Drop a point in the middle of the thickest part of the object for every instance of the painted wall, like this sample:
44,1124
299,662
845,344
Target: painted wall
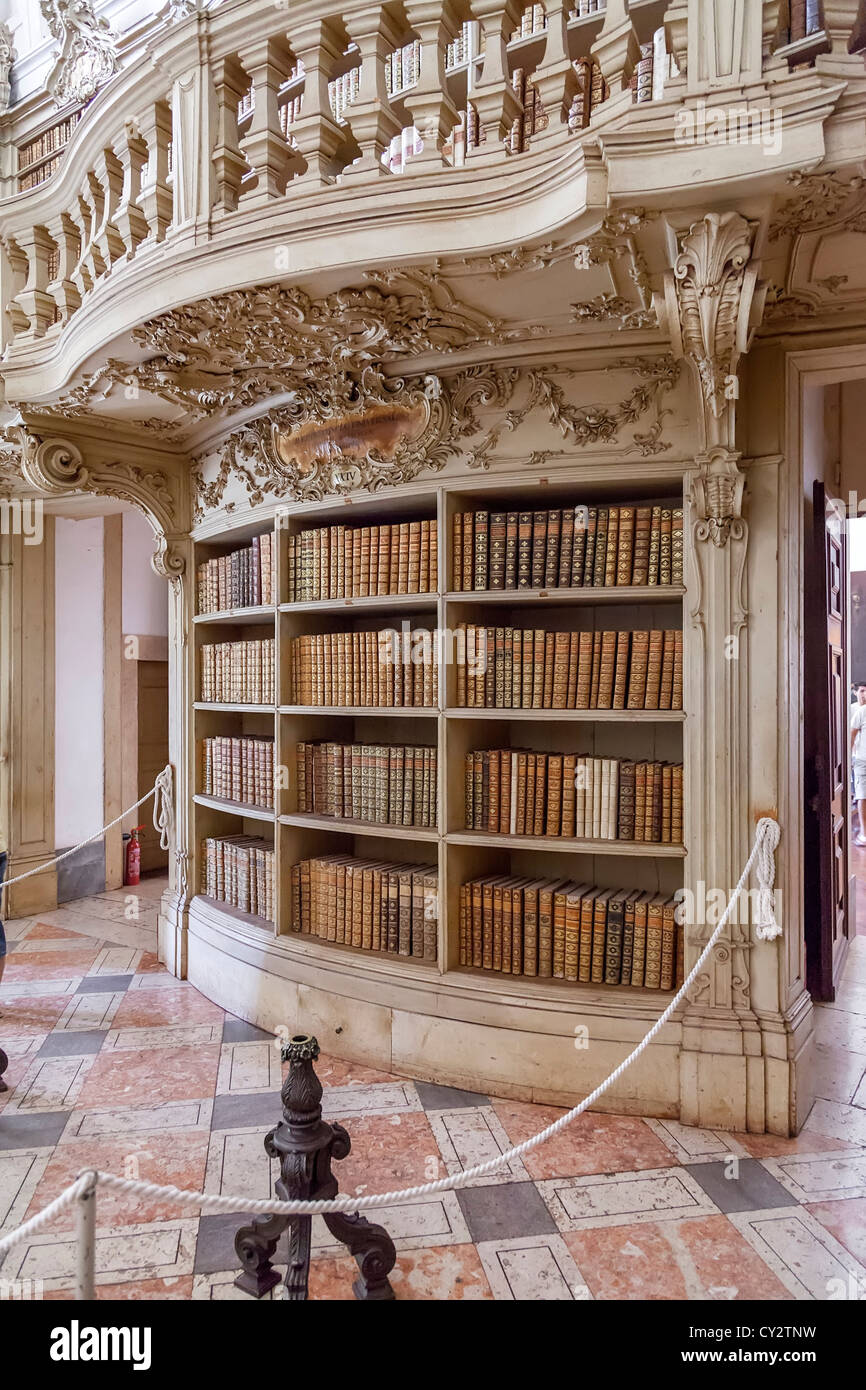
145,595
78,760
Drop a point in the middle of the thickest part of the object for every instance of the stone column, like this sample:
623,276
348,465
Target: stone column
175,561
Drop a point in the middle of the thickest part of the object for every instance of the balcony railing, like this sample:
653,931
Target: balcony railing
303,98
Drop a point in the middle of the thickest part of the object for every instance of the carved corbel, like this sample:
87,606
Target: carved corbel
717,497
57,467
711,303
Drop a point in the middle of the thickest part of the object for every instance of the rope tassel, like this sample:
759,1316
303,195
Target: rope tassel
767,838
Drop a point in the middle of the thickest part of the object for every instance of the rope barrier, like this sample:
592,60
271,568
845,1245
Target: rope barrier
163,822
767,836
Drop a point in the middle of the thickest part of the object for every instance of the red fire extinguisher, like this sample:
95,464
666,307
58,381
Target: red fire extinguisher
132,871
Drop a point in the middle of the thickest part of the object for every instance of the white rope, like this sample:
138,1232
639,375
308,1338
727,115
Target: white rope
82,1184
163,821
766,839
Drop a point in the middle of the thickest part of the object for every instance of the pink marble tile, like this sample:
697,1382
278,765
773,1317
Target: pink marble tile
774,1146
160,1008
23,1016
591,1144
438,1274
144,1079
73,962
149,964
703,1259
178,1159
46,931
846,1220
389,1152
180,1288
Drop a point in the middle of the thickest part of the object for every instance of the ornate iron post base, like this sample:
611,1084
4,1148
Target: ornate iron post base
4,1062
306,1145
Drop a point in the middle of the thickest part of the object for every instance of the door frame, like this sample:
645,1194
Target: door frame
827,365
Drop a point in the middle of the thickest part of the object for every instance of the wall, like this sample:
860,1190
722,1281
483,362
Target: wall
78,727
145,595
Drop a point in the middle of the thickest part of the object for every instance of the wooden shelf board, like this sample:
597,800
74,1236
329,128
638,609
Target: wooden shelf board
342,948
259,614
357,710
243,709
635,849
360,827
592,716
566,598
235,808
248,918
374,603
535,987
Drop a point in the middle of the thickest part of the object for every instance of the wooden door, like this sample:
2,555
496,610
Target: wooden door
826,740
152,750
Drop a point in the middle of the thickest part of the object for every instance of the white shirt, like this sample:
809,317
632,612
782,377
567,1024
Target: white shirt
858,722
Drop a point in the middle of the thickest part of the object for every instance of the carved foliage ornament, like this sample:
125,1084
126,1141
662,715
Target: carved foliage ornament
7,57
272,454
87,56
717,497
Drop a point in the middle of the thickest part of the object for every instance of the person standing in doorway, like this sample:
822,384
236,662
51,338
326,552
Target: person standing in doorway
858,759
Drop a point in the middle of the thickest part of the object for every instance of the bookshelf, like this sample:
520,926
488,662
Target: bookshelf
459,855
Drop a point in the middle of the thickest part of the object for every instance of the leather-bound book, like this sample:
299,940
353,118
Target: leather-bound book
626,812
511,528
507,667
597,790
599,934
604,810
628,935
677,691
468,552
679,954
638,966
501,889
600,565
640,792
546,895
549,670
497,550
620,679
489,653
537,668
596,670
551,559
638,672
677,804
517,927
571,940
587,917
566,548
482,521
667,803
524,551
528,668
553,824
487,923
568,795
476,936
505,757
541,793
492,819
611,553
464,925
655,541
516,667
521,793
665,547
573,667
666,683
590,547
507,925
654,669
669,945
383,570
578,547
652,968
539,548
530,926
606,669
584,670
677,545
613,938
625,547
531,774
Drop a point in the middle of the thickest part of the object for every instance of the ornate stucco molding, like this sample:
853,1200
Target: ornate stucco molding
88,53
57,466
717,487
265,453
710,305
820,200
7,58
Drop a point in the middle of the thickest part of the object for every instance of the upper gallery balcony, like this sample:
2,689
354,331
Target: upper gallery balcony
221,145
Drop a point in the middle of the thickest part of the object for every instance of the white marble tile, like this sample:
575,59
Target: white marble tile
847,1123
20,1172
836,1028
154,979
172,1114
468,1137
220,1288
179,1035
413,1223
36,989
820,1177
28,951
26,1046
18,928
838,1073
116,960
533,1269
385,1098
237,1165
692,1145
248,1067
808,1260
49,1083
88,1011
612,1200
160,1250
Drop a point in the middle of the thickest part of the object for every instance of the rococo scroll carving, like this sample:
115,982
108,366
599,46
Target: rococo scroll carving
87,56
710,303
57,466
717,497
272,454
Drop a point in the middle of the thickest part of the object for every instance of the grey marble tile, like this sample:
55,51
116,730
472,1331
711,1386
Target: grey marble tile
753,1188
434,1097
103,984
509,1209
235,1030
70,1043
34,1131
260,1110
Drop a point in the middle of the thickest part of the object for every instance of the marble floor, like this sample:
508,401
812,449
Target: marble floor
115,1064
